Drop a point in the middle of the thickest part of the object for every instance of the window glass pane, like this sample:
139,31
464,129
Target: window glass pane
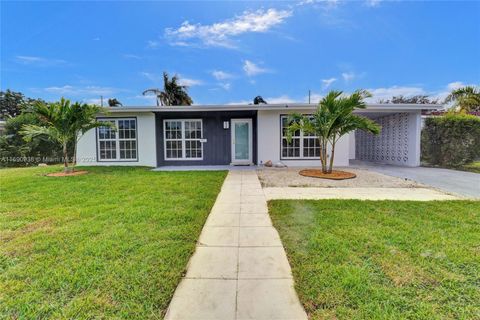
173,149
181,134
107,150
311,147
106,132
285,124
108,140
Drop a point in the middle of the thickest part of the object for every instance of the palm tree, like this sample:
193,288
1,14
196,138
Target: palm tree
333,119
63,122
57,118
84,119
259,100
466,99
114,103
173,94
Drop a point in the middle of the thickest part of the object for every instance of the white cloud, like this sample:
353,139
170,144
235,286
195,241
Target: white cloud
394,91
151,76
455,85
280,99
409,91
372,3
220,34
348,76
327,83
314,98
442,94
150,100
240,102
152,44
251,69
39,61
189,82
131,56
221,75
96,101
227,86
158,79
78,91
328,3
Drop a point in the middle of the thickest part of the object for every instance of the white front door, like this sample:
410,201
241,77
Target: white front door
241,141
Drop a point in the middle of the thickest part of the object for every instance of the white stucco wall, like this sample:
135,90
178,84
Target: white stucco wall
398,143
146,149
268,141
351,141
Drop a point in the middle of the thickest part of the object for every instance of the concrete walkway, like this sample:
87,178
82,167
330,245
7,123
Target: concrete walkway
239,269
312,193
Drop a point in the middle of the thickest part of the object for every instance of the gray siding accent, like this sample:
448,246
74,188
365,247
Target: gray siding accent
217,149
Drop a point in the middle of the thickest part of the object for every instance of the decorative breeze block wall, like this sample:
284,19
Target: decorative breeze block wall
398,143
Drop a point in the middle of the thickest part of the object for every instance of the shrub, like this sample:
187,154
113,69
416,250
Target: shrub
16,152
451,140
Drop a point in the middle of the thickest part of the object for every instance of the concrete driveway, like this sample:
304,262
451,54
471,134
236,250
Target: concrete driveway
466,184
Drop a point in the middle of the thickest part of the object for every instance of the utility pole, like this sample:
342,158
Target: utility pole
309,96
101,101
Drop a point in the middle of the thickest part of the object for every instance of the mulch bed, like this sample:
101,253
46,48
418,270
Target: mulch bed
67,174
335,175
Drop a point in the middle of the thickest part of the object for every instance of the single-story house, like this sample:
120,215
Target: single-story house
243,135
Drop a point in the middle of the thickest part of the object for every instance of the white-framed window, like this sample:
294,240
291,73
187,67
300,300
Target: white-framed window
183,139
119,144
302,145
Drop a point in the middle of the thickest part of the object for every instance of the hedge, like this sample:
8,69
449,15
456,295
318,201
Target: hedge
451,140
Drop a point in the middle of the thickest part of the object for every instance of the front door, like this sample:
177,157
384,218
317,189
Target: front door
241,141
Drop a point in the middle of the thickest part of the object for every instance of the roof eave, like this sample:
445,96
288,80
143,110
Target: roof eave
292,106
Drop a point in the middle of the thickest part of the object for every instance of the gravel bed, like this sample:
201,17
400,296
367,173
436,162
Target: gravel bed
289,177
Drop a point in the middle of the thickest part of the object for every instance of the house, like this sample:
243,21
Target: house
243,135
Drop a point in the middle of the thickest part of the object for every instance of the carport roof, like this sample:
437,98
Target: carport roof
261,107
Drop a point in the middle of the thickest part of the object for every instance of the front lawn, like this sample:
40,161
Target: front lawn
383,259
110,244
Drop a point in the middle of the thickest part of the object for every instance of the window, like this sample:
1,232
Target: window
119,144
302,145
183,139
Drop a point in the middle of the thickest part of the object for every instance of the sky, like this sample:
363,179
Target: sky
231,52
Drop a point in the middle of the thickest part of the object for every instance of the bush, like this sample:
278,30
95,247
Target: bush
451,140
16,152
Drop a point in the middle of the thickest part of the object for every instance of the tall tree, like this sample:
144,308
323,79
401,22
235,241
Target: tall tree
14,148
418,99
173,93
465,99
333,119
259,100
114,103
12,103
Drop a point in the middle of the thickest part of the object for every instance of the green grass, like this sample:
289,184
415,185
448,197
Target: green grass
110,244
472,167
383,260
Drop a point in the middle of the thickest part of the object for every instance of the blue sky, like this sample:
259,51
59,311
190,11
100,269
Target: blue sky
233,51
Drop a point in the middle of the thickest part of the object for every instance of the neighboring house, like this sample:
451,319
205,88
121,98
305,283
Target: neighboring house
243,135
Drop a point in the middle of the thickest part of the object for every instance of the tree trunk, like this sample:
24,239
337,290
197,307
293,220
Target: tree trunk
320,143
65,158
331,157
74,154
324,156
